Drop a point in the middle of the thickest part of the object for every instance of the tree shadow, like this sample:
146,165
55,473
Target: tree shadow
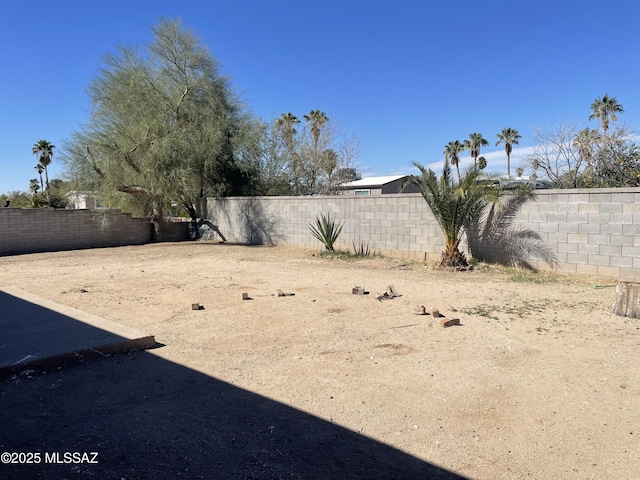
150,418
247,215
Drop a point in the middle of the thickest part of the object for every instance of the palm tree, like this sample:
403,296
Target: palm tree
39,168
519,172
453,204
316,119
605,109
44,151
492,237
451,154
34,186
510,137
584,142
482,163
475,142
286,124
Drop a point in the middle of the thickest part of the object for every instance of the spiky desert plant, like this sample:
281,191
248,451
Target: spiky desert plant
326,231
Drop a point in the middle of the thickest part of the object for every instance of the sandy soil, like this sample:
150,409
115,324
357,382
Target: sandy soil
540,380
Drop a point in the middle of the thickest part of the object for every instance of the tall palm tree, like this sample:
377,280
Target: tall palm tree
452,154
482,163
286,123
585,141
605,109
44,151
39,168
453,204
316,119
510,137
475,142
34,186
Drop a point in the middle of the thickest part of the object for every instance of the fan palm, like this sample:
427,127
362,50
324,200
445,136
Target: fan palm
286,123
44,151
452,154
39,168
316,119
510,137
473,144
584,142
605,109
453,205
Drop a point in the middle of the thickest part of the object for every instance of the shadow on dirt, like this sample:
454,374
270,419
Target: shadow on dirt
149,418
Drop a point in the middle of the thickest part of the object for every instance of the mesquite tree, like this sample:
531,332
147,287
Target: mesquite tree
163,128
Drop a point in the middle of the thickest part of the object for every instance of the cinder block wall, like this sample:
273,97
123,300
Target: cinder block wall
594,231
31,230
591,231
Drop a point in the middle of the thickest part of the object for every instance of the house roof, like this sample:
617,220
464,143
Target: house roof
372,181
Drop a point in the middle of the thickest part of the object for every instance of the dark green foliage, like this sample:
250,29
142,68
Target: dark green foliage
165,126
453,205
326,231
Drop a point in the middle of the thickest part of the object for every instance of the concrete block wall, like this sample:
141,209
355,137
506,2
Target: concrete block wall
395,225
31,230
594,231
591,231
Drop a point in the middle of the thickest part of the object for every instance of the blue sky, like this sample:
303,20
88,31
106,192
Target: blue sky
408,76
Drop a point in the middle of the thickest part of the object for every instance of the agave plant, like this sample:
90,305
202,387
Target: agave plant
326,231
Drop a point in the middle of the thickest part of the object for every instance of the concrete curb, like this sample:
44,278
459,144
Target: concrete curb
40,334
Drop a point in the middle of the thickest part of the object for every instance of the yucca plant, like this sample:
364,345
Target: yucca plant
326,231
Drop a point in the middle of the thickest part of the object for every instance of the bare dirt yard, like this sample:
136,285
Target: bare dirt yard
540,380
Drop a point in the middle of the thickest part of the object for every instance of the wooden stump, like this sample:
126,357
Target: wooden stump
627,299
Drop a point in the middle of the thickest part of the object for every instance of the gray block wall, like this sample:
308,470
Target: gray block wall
595,231
32,230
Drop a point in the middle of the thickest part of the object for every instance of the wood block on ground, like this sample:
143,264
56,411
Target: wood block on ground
627,302
245,296
357,290
435,313
195,306
279,293
449,322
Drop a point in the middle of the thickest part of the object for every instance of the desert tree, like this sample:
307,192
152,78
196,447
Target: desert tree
605,109
509,137
163,127
473,144
318,154
555,156
43,150
482,163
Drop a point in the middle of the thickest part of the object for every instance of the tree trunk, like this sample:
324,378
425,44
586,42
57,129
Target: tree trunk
627,302
158,220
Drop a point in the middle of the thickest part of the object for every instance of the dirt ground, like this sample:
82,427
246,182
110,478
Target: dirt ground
540,380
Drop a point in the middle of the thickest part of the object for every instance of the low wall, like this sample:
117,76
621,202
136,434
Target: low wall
30,230
594,231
